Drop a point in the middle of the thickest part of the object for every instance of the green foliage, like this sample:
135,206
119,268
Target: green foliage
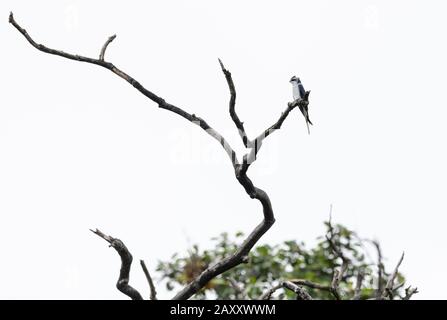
290,260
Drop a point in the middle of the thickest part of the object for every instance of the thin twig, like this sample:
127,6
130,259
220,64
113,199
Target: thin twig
240,256
153,292
310,284
380,269
301,293
240,294
409,292
388,292
239,124
257,143
400,285
330,240
104,47
126,262
358,285
338,276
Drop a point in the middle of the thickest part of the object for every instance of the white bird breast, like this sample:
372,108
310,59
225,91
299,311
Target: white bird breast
296,91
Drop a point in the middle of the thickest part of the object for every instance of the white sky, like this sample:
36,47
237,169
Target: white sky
80,148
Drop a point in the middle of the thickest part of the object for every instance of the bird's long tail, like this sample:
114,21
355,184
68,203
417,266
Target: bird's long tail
307,123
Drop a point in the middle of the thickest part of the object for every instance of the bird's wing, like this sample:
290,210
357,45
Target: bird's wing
302,91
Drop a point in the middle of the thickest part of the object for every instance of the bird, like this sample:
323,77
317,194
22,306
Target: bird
300,93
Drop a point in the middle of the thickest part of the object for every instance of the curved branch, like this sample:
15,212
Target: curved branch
104,47
300,292
126,262
388,291
152,96
239,124
409,292
241,254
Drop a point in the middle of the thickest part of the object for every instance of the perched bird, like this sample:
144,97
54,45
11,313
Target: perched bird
300,93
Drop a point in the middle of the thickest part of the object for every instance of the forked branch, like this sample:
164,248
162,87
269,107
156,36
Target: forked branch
257,143
152,96
153,292
240,170
104,47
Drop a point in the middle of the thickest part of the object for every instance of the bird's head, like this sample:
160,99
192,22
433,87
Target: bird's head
295,79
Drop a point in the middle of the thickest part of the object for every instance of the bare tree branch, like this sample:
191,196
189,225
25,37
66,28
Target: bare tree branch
152,96
400,285
409,292
338,275
126,262
104,47
301,293
358,285
380,269
240,294
388,292
239,124
241,253
268,294
330,239
257,143
310,284
153,292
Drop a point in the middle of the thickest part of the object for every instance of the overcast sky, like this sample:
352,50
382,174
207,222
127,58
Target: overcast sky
80,148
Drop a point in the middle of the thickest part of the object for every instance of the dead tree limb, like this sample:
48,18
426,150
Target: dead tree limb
152,96
409,292
300,291
104,47
126,262
310,284
240,170
240,294
358,285
380,269
338,251
257,143
239,124
153,292
388,291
